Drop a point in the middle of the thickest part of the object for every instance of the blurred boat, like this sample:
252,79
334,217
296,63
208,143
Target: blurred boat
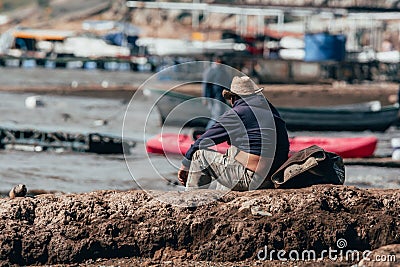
21,41
166,46
178,109
290,42
346,147
176,144
184,110
38,43
292,48
339,119
292,54
392,57
36,141
81,46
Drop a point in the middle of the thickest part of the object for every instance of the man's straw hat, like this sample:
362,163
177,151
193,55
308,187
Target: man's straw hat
242,86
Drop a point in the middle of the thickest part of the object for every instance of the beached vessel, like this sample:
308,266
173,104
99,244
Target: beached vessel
180,109
347,147
37,141
40,43
175,144
338,119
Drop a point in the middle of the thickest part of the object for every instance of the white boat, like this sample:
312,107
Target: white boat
388,57
89,47
166,46
19,40
289,42
292,54
4,19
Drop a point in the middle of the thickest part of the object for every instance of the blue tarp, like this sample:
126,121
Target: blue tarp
324,46
118,39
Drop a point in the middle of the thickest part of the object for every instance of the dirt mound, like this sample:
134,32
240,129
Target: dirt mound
53,229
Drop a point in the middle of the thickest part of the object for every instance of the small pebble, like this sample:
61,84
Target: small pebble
18,191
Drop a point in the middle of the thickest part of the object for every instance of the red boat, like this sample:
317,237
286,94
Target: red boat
171,143
347,147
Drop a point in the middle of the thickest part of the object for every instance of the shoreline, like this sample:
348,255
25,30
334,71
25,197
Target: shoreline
378,162
95,90
279,94
123,84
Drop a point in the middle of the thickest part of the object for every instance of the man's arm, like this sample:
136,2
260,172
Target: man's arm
220,132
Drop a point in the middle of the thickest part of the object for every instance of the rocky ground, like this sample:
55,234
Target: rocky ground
117,228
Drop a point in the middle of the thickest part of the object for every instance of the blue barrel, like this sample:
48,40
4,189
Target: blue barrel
324,46
50,64
90,65
111,65
29,63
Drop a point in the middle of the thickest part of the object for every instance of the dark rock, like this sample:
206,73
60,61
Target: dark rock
18,191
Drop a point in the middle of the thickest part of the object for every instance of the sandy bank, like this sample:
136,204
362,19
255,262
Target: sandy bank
51,229
110,84
280,95
319,94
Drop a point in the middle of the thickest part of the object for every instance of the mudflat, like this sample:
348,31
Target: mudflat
124,84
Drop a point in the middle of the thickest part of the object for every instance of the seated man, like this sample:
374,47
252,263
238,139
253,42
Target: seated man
258,139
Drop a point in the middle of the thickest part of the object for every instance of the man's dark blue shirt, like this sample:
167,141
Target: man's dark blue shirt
254,126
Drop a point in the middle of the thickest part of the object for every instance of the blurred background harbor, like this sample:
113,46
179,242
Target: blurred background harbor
273,41
84,60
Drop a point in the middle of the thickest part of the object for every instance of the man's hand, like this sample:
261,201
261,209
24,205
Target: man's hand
183,174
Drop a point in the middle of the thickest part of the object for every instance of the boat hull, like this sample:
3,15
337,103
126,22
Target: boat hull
36,140
352,147
346,147
323,119
357,117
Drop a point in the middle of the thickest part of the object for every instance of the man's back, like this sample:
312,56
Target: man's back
263,132
254,126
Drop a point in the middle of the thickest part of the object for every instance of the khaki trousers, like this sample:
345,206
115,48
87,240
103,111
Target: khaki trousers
210,169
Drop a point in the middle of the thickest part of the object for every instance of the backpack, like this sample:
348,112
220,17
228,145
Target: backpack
309,166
